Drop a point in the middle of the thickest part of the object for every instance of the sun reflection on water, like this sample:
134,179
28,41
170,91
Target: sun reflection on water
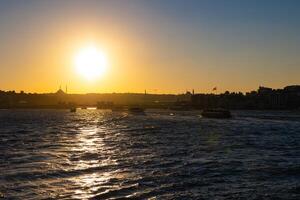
93,158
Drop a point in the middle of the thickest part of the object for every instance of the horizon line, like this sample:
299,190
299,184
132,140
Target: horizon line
213,91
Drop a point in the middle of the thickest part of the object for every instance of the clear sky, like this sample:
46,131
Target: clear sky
164,46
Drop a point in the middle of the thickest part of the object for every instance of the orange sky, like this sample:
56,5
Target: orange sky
146,47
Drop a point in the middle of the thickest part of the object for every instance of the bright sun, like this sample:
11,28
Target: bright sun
90,62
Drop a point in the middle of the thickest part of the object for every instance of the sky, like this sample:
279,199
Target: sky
163,46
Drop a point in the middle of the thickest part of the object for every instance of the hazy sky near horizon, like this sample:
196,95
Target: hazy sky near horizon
164,46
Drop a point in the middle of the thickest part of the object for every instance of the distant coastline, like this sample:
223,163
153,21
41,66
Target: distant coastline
264,98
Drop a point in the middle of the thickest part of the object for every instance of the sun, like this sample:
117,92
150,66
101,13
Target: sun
90,63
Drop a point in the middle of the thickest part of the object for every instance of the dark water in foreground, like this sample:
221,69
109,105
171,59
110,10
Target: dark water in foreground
48,154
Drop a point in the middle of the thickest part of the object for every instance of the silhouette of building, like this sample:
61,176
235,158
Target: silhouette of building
60,91
264,98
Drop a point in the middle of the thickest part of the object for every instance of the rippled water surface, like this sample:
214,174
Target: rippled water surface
94,154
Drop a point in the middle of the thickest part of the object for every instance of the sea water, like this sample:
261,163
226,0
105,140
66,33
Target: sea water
99,154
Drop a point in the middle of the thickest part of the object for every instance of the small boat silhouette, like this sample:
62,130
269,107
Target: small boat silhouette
72,109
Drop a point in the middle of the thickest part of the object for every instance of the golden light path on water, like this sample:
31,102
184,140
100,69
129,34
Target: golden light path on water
96,161
90,142
96,147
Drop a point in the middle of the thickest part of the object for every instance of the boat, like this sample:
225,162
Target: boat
216,113
137,110
72,109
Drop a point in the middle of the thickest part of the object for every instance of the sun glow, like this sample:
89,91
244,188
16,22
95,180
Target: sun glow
90,63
